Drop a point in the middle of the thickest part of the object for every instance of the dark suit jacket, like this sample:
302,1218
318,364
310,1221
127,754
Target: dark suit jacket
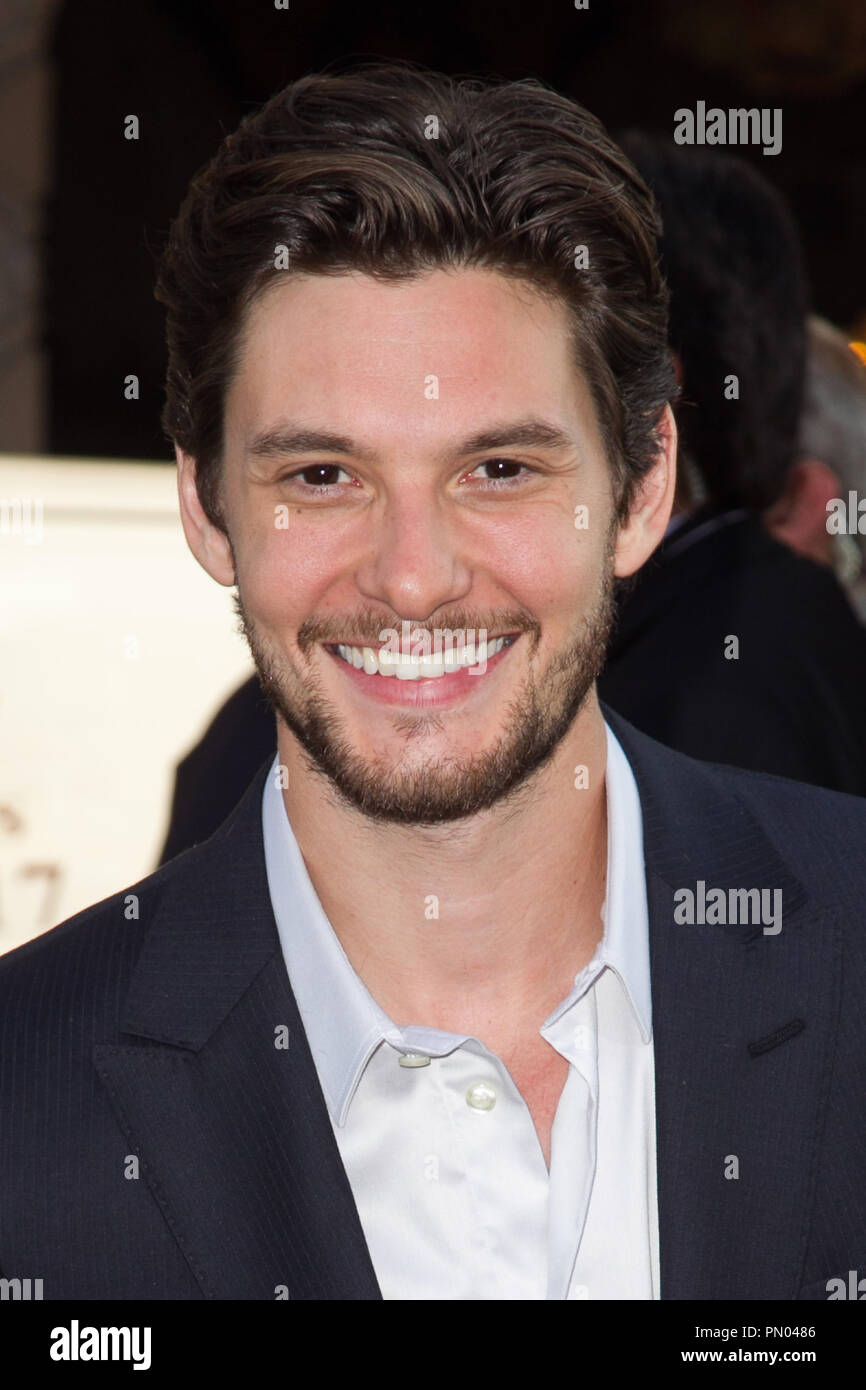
794,701
146,1044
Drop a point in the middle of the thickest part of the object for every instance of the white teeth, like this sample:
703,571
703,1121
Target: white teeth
433,666
413,667
386,662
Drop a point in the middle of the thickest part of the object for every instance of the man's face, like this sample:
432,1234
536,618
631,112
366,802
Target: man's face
463,447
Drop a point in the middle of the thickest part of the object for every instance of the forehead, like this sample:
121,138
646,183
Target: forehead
351,350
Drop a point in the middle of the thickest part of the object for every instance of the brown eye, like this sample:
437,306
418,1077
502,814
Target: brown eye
321,474
503,471
501,468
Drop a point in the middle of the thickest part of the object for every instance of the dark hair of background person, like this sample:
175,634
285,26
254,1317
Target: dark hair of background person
739,301
349,173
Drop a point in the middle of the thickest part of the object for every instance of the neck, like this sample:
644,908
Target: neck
478,926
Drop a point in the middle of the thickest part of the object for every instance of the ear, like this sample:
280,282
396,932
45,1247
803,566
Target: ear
799,517
650,510
208,543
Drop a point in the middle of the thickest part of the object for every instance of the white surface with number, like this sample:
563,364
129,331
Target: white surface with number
115,650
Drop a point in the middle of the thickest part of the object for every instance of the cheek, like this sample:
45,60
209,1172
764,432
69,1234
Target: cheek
552,566
287,565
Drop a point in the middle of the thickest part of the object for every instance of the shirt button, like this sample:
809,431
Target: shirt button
413,1059
580,1291
481,1096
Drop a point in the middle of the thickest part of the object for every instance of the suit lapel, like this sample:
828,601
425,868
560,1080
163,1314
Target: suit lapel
742,1039
229,1124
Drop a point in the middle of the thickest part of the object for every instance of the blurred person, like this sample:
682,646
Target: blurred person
213,776
479,993
830,463
729,646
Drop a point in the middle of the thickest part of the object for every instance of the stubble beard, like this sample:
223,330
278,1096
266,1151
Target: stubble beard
440,789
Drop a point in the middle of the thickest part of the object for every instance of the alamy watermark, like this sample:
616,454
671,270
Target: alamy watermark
20,1290
77,1343
734,907
854,1288
22,516
846,518
739,125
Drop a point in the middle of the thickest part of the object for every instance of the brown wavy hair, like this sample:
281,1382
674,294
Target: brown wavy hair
393,170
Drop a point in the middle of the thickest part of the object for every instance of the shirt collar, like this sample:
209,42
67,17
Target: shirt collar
344,1024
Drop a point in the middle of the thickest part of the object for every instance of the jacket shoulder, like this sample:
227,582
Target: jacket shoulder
101,942
111,932
703,807
820,833
782,803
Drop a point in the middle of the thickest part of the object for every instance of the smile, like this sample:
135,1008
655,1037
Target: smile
425,666
438,680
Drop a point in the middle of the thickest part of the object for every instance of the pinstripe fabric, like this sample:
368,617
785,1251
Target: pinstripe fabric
147,1045
156,1039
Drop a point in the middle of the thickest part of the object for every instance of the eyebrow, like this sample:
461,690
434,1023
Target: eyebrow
288,439
285,440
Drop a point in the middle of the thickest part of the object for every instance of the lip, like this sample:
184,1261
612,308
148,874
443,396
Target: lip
434,692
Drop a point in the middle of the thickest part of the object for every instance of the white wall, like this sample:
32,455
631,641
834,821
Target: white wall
115,650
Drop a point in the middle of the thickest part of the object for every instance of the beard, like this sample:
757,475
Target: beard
442,788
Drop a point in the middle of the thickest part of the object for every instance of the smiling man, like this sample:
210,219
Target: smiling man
358,502
425,1019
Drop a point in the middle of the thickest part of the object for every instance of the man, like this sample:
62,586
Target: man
731,647
479,993
813,514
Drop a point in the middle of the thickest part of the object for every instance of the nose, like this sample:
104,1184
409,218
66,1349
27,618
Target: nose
415,563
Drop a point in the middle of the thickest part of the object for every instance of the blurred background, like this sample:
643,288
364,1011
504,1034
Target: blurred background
115,649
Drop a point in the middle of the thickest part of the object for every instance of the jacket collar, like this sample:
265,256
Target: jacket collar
696,826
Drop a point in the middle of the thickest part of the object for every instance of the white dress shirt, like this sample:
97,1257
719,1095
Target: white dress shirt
452,1190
